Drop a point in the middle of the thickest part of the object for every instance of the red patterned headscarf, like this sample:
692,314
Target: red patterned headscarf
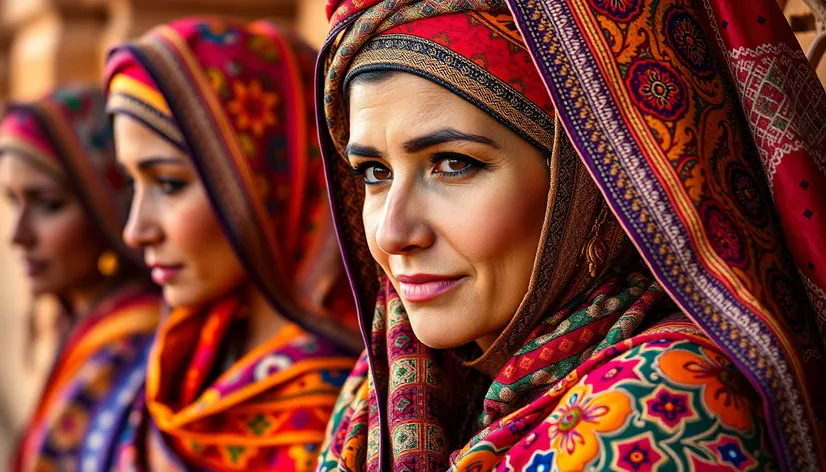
699,126
237,99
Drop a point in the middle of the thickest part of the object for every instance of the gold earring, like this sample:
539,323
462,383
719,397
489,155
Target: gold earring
595,250
108,263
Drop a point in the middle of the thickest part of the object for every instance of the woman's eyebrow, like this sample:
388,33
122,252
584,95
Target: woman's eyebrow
35,192
420,143
150,162
445,135
354,149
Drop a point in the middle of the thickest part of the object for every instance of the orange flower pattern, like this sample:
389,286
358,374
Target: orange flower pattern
253,107
578,419
724,389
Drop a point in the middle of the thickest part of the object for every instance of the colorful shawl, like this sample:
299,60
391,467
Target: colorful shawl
67,134
675,143
236,99
89,370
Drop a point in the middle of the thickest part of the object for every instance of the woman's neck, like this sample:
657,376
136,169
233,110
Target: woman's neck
263,321
83,300
485,342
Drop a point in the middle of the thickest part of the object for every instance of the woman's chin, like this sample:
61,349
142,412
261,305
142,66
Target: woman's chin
440,335
40,286
178,297
39,290
194,294
437,343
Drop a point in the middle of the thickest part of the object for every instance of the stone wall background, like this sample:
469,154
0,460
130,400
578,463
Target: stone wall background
46,43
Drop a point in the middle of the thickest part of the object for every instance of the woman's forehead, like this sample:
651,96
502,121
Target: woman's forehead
136,141
410,106
402,87
16,169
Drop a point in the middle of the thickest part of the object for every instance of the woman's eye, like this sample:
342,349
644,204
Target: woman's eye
171,186
373,173
12,199
50,206
452,166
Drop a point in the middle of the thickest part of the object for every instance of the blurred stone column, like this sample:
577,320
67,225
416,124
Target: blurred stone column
53,42
5,38
311,21
805,27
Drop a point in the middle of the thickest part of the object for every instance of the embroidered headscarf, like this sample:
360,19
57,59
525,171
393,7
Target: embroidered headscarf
68,135
236,99
687,154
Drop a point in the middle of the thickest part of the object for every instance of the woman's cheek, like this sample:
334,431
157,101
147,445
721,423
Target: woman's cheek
73,244
489,224
73,232
192,226
372,214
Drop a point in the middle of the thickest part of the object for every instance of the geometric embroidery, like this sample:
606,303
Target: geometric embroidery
818,298
259,425
764,76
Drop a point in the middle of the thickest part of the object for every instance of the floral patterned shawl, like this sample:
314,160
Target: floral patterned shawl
700,129
235,98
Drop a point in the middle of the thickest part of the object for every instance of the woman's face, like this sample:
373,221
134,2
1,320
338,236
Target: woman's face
454,206
172,220
59,241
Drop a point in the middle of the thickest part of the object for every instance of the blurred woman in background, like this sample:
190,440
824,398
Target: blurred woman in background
58,172
213,122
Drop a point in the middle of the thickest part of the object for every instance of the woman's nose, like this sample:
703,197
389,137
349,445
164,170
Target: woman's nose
404,226
22,234
141,230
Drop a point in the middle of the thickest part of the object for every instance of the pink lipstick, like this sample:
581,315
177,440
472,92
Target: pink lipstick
420,288
34,267
164,274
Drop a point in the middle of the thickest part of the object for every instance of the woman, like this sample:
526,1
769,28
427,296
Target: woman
57,169
214,125
510,190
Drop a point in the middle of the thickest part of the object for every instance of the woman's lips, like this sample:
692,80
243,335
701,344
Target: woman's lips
34,267
420,288
164,274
